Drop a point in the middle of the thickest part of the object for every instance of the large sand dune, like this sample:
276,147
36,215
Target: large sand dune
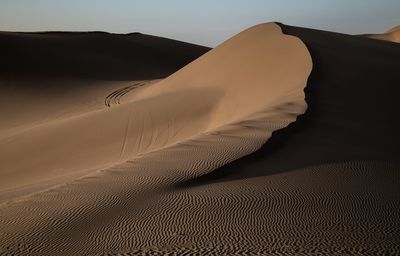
220,107
168,166
198,99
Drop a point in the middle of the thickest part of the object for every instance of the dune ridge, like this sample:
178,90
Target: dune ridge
222,106
392,35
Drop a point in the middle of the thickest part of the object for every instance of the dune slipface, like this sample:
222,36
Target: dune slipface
222,106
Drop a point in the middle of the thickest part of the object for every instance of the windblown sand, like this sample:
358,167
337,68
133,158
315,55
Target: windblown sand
118,178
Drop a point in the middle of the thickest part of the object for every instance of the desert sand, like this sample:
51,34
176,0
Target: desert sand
68,75
280,141
392,35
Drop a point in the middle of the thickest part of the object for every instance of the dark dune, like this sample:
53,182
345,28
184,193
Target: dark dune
93,55
352,96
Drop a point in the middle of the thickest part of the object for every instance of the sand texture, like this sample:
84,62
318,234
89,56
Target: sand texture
280,141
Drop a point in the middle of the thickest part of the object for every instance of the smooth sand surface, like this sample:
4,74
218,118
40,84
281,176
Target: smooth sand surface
27,102
239,152
392,35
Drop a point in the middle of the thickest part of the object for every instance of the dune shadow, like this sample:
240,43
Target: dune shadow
239,168
351,95
94,55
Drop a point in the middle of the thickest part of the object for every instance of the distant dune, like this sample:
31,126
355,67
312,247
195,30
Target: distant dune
280,141
392,35
93,55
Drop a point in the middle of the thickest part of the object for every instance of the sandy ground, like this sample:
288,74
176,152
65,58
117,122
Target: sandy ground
239,152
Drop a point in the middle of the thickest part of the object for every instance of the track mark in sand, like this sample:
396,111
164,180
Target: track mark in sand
114,98
125,141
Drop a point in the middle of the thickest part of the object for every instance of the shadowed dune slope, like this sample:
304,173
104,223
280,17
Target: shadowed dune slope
94,55
392,35
346,146
352,96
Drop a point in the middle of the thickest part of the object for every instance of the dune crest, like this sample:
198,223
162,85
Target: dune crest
251,70
392,35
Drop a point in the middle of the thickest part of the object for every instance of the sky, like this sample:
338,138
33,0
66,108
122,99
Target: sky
205,22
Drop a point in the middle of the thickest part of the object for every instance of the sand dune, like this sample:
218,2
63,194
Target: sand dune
154,118
93,55
392,35
239,152
47,78
211,112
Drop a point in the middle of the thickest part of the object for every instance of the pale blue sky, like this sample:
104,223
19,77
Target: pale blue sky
206,22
